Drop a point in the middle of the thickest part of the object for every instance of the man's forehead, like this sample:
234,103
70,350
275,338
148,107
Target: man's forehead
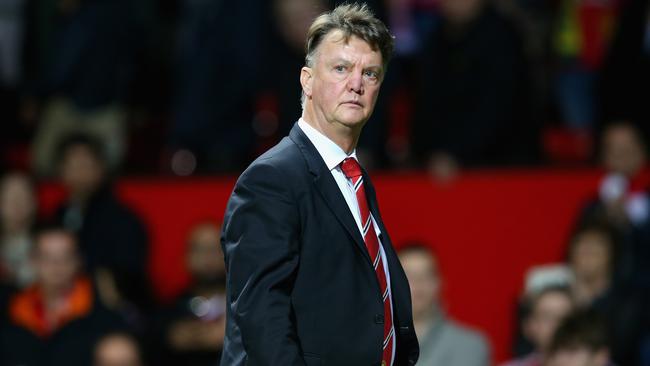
336,40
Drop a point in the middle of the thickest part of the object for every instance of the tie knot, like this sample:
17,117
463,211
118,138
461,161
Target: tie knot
351,168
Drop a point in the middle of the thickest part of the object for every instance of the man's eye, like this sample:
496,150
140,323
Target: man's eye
372,74
339,68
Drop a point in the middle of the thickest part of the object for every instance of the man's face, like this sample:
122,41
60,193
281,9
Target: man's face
460,11
205,258
622,151
17,202
578,357
590,256
344,82
56,261
422,274
547,313
81,172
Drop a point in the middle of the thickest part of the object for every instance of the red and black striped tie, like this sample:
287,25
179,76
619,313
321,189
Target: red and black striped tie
352,170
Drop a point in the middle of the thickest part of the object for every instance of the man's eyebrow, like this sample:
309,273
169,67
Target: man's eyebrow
341,60
374,67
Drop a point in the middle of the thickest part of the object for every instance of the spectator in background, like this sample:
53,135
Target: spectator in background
625,79
581,340
82,65
471,102
592,257
442,341
57,320
17,220
581,38
194,327
536,20
289,21
11,38
623,201
12,35
544,310
112,239
117,349
215,76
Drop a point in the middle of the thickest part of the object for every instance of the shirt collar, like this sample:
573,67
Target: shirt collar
331,153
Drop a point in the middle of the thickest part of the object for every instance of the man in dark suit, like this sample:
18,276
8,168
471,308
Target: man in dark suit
312,276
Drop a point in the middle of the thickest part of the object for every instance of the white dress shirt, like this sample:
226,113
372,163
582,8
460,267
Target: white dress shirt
333,156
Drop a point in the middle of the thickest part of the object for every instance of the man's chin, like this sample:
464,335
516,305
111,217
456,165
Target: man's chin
353,120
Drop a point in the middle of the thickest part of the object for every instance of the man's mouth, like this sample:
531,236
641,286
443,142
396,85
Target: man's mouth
353,103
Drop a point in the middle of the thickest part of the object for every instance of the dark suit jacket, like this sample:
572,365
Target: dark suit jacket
301,287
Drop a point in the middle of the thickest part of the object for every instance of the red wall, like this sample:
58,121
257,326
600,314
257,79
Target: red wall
487,228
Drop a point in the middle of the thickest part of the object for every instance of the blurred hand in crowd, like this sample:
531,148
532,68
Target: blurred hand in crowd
443,167
203,329
196,335
117,350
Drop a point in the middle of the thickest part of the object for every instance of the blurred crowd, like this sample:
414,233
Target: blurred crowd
94,89
75,289
203,86
591,309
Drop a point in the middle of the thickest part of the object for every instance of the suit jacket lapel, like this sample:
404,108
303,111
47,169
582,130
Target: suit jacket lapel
328,188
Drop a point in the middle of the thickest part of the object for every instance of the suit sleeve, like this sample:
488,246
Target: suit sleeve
260,240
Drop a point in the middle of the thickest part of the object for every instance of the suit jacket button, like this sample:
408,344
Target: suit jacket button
379,319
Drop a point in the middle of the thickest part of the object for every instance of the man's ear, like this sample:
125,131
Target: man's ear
306,79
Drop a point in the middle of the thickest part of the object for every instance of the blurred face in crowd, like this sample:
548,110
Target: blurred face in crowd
342,85
581,356
590,255
460,11
17,203
68,6
294,18
548,311
81,171
205,258
55,260
422,272
117,350
623,151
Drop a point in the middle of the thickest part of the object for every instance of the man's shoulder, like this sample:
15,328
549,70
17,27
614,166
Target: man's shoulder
283,161
532,359
285,152
461,334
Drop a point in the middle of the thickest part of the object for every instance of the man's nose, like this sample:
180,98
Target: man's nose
355,82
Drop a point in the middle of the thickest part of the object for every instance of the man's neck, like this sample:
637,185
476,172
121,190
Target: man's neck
345,137
55,295
588,289
424,322
54,303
